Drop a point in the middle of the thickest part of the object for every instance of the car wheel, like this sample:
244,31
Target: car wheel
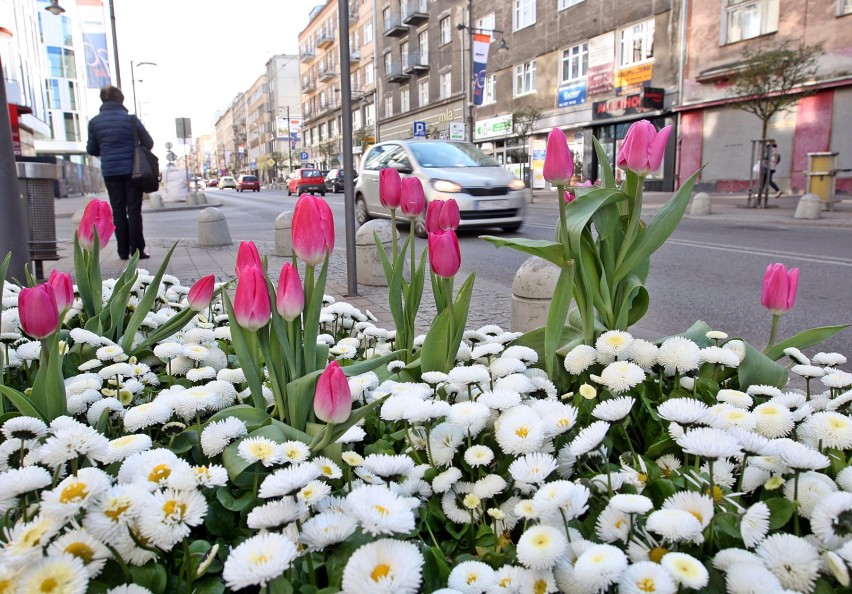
322,193
512,228
420,226
361,213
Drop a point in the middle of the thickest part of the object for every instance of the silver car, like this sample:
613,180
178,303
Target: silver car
487,194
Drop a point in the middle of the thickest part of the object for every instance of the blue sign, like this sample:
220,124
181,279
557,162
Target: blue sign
303,155
571,94
420,129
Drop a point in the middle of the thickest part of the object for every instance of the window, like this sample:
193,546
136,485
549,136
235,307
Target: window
356,119
388,63
487,23
446,30
72,95
636,43
404,100
379,156
72,126
368,74
563,4
386,18
524,14
388,106
489,91
844,7
368,32
370,115
575,62
445,85
423,92
525,78
745,19
403,53
321,129
423,42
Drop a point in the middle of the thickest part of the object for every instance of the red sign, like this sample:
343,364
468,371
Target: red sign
649,100
16,131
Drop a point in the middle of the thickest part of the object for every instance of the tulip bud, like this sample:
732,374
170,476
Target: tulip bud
412,199
433,213
312,229
63,289
444,253
38,312
97,218
643,148
290,300
779,288
558,160
201,293
442,214
247,255
333,398
389,187
251,301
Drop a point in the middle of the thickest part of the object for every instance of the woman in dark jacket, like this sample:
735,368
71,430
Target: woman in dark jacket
111,139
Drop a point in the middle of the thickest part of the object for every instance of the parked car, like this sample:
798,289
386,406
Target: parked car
248,182
305,180
487,194
226,181
334,180
212,182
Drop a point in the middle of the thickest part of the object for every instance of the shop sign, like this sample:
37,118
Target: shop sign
571,94
499,126
456,131
653,97
628,79
601,59
650,99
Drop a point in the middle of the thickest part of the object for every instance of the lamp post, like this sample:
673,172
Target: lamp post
133,76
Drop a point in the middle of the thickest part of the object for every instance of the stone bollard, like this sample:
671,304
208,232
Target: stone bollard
532,292
370,270
700,205
284,234
155,199
212,228
809,207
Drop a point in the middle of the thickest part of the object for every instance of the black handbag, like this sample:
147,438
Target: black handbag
146,165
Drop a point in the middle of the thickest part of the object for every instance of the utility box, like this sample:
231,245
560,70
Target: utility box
822,176
36,182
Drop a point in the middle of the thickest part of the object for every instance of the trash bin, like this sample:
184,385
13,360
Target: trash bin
822,174
36,183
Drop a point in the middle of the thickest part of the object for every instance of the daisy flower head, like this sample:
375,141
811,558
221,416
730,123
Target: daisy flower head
63,574
328,468
532,468
24,428
561,499
828,428
709,443
828,519
285,481
735,398
260,449
79,543
646,576
314,492
472,577
685,411
558,417
540,547
613,525
699,505
19,481
674,525
612,344
384,566
145,415
679,355
686,570
829,359
259,560
519,431
217,435
720,356
478,455
631,503
793,560
620,376
387,465
799,456
589,438
75,492
470,416
614,409
274,514
773,419
167,517
379,510
599,567
754,524
813,487
643,353
579,359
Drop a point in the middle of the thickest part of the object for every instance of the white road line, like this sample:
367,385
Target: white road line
760,252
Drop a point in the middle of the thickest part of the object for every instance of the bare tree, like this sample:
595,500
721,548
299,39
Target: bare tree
771,81
523,123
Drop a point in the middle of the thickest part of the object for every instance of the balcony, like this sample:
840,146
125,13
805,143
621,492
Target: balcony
309,85
415,12
325,38
394,26
327,73
307,55
355,55
330,106
354,11
415,64
395,73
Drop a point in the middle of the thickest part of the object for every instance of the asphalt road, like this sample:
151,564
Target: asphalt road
709,270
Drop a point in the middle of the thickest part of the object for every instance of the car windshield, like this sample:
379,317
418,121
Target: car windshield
311,173
450,154
249,178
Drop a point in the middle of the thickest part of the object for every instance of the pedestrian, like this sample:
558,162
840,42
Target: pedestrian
111,137
772,158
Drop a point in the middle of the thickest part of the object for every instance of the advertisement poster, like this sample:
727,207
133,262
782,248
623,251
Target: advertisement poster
630,80
499,126
94,43
538,152
601,62
571,94
481,41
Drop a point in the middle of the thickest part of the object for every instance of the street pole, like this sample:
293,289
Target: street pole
289,144
133,78
348,187
470,77
115,45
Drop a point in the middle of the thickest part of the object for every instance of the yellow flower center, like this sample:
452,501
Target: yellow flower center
647,585
82,551
73,492
564,423
540,587
697,515
522,432
472,578
657,553
261,450
541,540
380,571
383,511
48,585
837,423
123,441
259,559
505,582
172,507
159,473
116,510
717,495
326,470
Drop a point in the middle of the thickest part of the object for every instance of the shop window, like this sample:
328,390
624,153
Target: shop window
636,43
746,19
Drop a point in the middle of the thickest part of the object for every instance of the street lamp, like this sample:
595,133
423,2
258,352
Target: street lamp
133,76
54,8
289,140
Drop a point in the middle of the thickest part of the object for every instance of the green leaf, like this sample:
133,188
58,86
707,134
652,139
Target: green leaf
781,510
557,315
439,348
251,416
580,212
757,368
664,223
4,267
357,414
804,339
244,355
606,168
279,585
276,431
208,585
151,576
311,319
48,392
549,250
20,401
146,303
234,504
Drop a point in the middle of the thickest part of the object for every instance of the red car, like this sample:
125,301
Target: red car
212,182
248,182
304,180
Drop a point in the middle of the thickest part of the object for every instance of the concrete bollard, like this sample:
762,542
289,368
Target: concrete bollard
284,234
212,228
532,292
370,270
808,207
700,205
155,199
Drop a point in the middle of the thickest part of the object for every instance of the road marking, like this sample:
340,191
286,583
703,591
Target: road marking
760,252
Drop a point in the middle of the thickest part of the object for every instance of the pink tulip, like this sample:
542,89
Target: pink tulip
643,148
442,214
247,256
558,160
444,253
312,229
38,311
291,297
569,197
97,217
389,187
201,293
251,301
63,289
412,200
779,288
333,398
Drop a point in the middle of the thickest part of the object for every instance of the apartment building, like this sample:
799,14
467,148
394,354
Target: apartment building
283,130
714,132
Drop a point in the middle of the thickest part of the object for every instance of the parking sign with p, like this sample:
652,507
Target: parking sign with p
420,129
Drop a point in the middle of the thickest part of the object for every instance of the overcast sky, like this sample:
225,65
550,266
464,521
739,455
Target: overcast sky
206,51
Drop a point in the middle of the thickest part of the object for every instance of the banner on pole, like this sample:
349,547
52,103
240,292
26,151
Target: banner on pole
481,43
94,43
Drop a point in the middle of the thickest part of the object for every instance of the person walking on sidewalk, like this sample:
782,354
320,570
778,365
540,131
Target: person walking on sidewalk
111,137
772,158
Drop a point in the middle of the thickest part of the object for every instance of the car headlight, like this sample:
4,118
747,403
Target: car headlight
442,185
517,184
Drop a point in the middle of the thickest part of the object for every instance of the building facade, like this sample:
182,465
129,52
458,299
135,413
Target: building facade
283,131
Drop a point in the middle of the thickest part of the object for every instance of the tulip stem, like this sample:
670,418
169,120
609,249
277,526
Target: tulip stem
393,232
773,330
563,223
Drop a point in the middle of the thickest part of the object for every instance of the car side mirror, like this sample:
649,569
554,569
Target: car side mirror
401,167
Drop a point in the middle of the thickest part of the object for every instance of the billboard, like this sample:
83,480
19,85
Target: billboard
94,43
481,41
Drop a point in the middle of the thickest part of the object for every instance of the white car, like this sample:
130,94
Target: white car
226,181
487,194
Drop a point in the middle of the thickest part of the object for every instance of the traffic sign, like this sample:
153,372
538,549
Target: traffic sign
304,155
420,129
271,162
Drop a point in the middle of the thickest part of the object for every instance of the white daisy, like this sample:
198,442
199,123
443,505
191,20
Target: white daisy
274,514
674,525
259,560
612,344
599,566
285,481
379,510
686,570
260,449
520,431
614,409
826,522
589,438
532,468
327,529
644,577
384,566
709,443
217,435
478,455
754,524
685,411
472,577
541,546
679,354
620,376
793,560
579,359
63,574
